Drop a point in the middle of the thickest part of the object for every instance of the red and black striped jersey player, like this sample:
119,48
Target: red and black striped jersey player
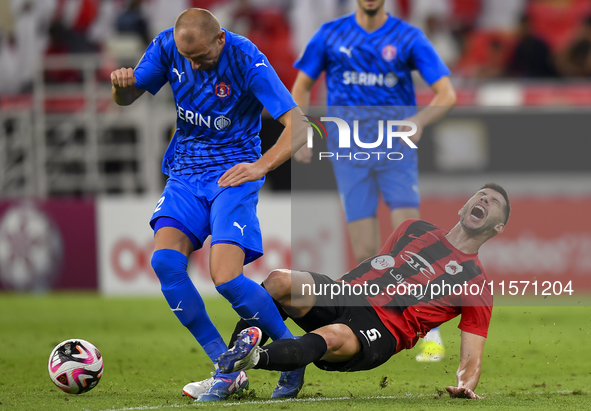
422,277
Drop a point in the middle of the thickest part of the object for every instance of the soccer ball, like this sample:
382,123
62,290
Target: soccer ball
75,366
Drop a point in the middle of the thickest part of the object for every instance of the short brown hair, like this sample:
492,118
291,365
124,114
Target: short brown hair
501,191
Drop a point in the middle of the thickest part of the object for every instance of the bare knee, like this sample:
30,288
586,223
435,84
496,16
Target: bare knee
225,262
341,343
334,336
278,284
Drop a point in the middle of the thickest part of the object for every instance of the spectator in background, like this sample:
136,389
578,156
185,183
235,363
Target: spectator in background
532,56
102,27
9,67
433,17
486,55
500,15
575,60
422,10
59,44
31,21
495,66
439,33
162,14
305,18
133,21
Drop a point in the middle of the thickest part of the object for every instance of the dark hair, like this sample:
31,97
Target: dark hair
501,191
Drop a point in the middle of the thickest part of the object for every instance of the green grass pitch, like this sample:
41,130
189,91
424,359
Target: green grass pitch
535,358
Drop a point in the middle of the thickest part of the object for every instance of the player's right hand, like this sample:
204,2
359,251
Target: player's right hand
464,392
303,155
123,78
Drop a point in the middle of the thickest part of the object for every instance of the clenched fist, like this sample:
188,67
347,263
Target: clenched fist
123,78
124,91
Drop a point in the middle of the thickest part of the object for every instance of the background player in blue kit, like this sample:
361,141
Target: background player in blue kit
220,82
368,57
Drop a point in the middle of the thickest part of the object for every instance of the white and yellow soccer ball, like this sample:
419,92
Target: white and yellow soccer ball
75,366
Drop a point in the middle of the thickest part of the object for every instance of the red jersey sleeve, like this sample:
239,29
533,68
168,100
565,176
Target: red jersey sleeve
475,320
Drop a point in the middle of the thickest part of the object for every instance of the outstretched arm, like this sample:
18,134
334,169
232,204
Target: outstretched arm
470,366
290,140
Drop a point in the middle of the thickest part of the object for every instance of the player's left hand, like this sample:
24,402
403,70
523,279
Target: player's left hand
464,392
241,173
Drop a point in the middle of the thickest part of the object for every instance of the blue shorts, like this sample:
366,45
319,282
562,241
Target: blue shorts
359,187
227,214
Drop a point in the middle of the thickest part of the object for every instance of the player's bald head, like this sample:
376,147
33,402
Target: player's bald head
199,38
196,25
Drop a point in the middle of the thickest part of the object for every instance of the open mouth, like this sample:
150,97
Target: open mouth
478,212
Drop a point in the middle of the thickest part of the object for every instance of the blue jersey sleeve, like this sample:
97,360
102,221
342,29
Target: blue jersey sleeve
150,72
313,60
268,88
426,60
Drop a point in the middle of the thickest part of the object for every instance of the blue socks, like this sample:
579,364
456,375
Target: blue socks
254,304
184,300
249,299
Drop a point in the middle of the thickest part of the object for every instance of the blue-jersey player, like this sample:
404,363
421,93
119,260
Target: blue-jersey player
220,82
368,58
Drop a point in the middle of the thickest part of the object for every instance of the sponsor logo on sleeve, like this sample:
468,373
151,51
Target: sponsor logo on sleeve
382,262
453,268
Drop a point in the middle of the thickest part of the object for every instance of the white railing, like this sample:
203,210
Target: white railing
47,150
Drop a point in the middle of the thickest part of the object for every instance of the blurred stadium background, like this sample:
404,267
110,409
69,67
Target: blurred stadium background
79,176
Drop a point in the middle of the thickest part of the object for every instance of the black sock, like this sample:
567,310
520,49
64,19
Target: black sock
289,355
242,324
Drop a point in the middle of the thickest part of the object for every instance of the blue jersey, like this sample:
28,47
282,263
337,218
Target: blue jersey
370,69
218,111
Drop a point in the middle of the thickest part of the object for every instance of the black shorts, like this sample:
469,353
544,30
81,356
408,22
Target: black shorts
377,343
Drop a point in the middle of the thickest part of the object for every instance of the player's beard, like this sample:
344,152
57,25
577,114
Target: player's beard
212,65
372,12
486,228
215,61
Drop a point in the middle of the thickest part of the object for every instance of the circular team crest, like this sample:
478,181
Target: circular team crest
222,122
381,262
31,249
453,268
222,90
389,52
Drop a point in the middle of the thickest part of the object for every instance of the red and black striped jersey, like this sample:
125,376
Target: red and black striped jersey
423,282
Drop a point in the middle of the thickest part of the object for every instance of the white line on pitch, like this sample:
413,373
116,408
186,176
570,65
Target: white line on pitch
262,402
265,402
